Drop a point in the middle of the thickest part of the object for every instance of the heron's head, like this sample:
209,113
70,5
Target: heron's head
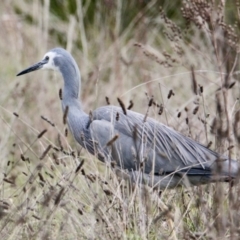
55,59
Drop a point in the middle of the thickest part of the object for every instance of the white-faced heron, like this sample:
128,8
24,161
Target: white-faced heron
148,151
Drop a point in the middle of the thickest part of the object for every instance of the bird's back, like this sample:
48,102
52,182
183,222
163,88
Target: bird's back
140,142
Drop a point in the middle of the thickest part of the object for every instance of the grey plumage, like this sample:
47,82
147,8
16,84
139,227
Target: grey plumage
147,151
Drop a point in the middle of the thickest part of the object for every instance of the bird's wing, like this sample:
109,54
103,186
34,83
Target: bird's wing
137,141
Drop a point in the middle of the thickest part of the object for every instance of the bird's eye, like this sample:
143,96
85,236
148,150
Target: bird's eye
47,58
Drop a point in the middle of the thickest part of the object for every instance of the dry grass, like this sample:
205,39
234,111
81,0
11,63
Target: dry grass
53,189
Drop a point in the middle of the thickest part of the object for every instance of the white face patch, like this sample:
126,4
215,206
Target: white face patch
50,64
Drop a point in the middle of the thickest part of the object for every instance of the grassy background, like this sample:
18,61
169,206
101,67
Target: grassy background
132,50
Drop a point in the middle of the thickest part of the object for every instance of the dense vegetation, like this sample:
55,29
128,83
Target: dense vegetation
184,54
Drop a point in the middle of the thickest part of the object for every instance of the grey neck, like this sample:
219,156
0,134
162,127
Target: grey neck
72,82
77,119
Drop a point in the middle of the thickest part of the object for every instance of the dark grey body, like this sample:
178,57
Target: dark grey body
164,156
147,151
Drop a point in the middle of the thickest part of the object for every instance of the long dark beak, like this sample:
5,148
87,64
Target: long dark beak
34,67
